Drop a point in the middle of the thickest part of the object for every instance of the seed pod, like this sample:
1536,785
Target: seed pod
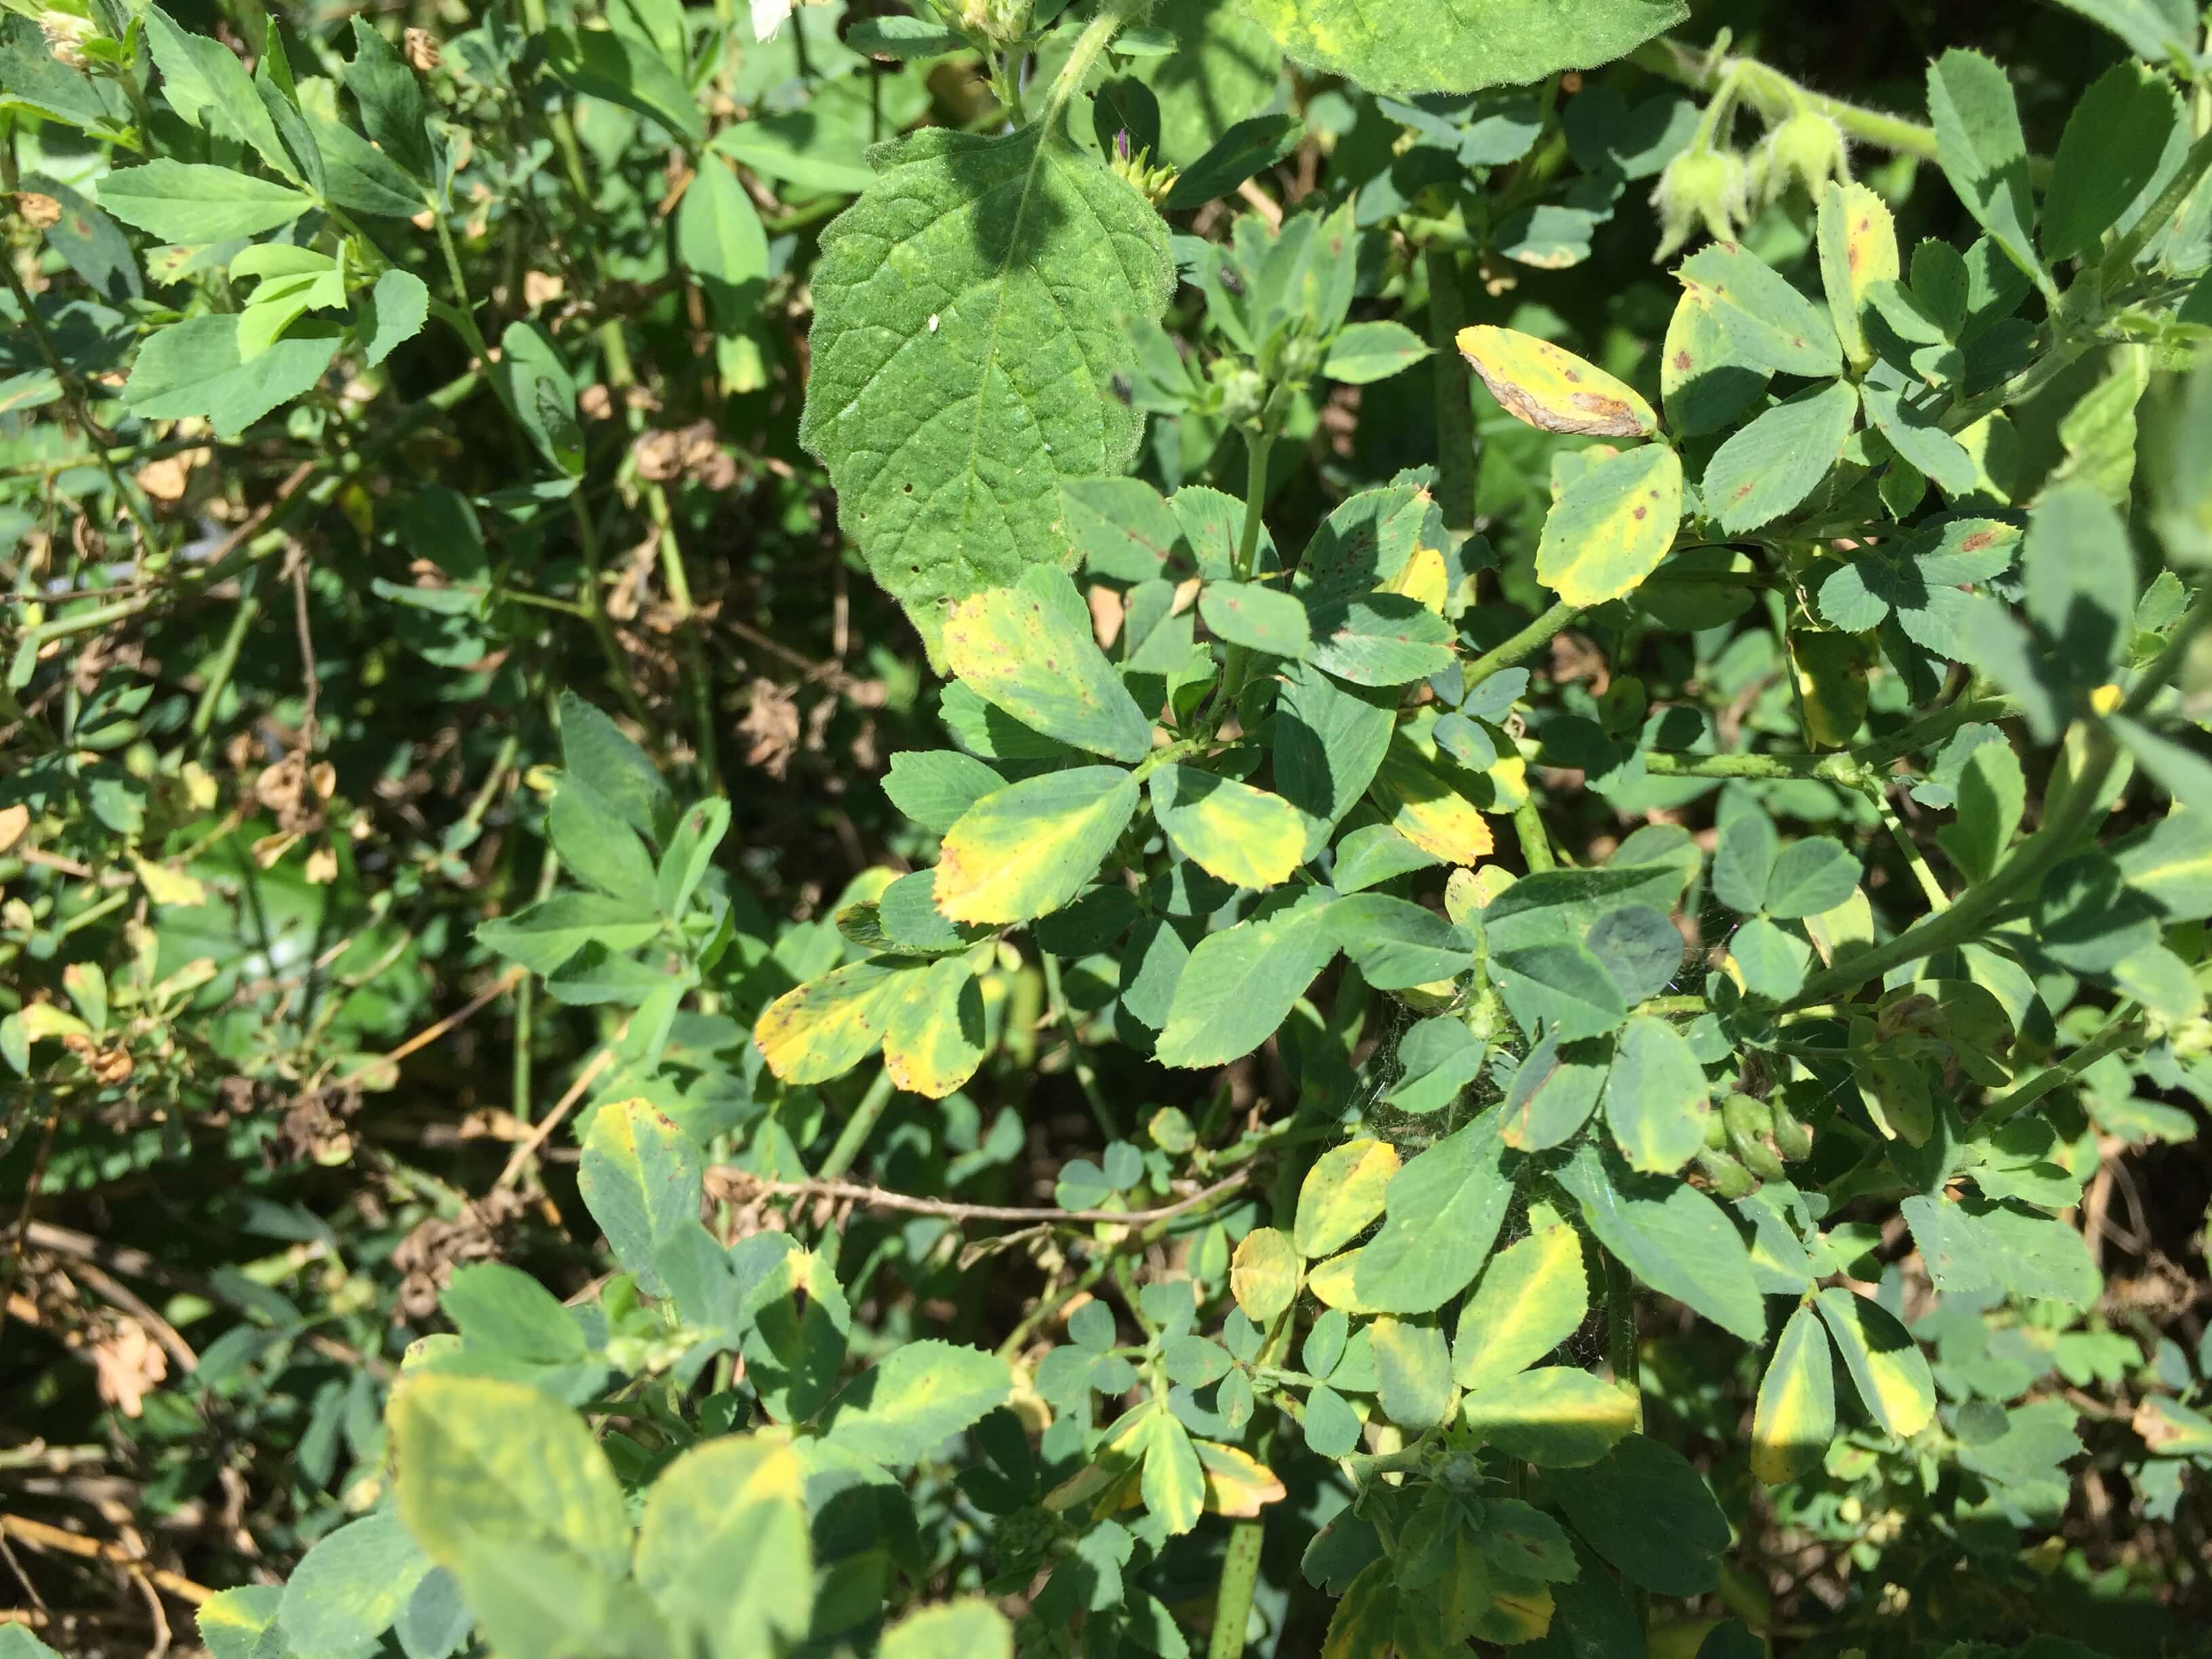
1749,1132
1729,1178
1808,148
1793,1136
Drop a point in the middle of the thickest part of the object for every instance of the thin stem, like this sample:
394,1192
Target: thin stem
226,657
859,1128
1774,92
1535,845
1937,898
1085,1077
1529,640
1112,19
2125,1023
1455,406
1257,446
744,1185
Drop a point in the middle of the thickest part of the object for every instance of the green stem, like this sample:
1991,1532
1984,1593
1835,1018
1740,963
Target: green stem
1839,769
857,1129
1257,446
1240,1576
1535,845
1529,640
1112,19
1085,1077
1455,405
1775,94
1937,898
2125,1023
226,657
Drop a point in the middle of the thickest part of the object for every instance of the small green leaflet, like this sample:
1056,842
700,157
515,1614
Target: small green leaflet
1656,1099
1769,322
193,203
1670,1236
1260,618
196,368
1240,983
1610,526
1769,467
1442,1212
1981,150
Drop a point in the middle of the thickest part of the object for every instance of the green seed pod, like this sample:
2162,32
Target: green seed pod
1750,1126
1807,148
1729,1178
1746,1114
1716,1132
1793,1136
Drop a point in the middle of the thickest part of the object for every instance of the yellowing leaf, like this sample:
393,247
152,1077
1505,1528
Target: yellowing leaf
1890,1372
1610,526
1530,1298
1858,249
1029,649
1551,388
1026,850
1236,1483
1555,1416
1832,676
168,886
1331,1282
1263,1275
1342,1192
829,1025
1246,836
1426,808
933,1032
722,1545
1423,578
1795,1418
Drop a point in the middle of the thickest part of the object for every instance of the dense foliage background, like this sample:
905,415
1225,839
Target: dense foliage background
330,655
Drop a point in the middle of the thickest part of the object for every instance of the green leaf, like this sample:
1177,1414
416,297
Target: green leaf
1744,861
534,383
1024,851
1329,743
1224,69
1531,1297
1551,388
640,1180
935,786
1610,526
1555,1416
1992,795
1645,1510
235,1624
1980,148
1028,650
722,1543
1812,876
1795,1418
1464,45
1670,1236
1772,961
2115,144
1913,424
348,1590
922,1394
1561,988
1555,1089
2159,30
1251,146
1769,467
720,240
547,933
1240,983
2170,864
1639,948
191,201
690,854
826,1027
200,74
1366,352
1706,381
506,1312
2085,918
597,846
1245,837
594,749
1890,1373
963,1629
1397,943
1122,528
1257,618
394,310
800,148
1380,639
1656,1098
1441,1215
949,409
1768,322
1413,1373
490,1462
195,368
623,69
390,98
1341,1195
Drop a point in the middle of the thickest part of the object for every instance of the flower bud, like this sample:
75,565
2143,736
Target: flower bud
1152,183
1808,148
1707,188
66,34
1001,20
